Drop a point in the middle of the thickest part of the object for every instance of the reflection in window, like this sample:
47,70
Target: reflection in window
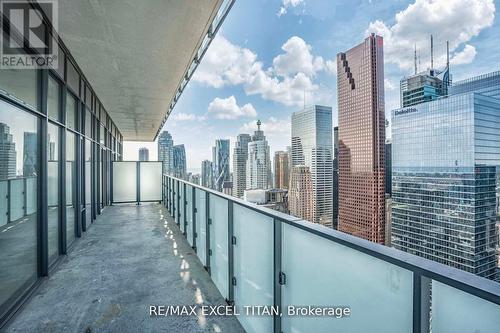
53,99
53,190
18,200
71,111
70,186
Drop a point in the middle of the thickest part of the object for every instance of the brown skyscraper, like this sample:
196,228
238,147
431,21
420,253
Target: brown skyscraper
281,170
360,84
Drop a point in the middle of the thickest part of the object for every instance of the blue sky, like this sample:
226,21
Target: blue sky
269,54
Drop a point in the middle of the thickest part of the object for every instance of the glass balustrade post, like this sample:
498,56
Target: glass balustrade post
276,273
25,196
230,242
207,228
193,214
138,183
421,303
178,200
184,209
9,196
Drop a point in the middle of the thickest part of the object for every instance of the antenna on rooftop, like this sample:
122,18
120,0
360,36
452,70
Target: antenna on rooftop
415,58
432,53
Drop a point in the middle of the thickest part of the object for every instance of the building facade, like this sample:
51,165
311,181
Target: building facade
424,87
335,188
220,155
281,170
301,194
179,162
274,198
207,174
445,162
259,162
165,151
143,154
240,156
312,147
360,85
7,153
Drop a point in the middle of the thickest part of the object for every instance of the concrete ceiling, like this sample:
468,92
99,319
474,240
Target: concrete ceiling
135,53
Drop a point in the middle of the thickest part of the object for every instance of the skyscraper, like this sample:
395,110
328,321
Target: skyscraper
7,153
220,155
30,154
259,161
312,147
301,193
143,154
281,170
240,156
445,163
165,151
360,85
179,161
388,167
206,174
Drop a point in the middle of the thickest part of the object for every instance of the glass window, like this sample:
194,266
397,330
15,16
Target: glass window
53,191
71,111
101,135
59,64
22,84
70,186
88,123
18,171
73,78
88,182
88,97
53,99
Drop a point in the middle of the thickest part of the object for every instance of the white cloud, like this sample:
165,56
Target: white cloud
285,82
297,58
457,21
287,4
388,85
227,108
225,63
183,116
271,127
466,56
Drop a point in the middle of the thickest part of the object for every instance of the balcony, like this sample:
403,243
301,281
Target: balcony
165,241
133,257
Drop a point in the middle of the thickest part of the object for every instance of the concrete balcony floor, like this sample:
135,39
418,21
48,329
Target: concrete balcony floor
132,257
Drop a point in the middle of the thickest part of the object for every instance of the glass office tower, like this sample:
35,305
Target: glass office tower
312,147
445,160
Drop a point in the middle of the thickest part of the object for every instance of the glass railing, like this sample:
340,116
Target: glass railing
18,199
259,257
134,181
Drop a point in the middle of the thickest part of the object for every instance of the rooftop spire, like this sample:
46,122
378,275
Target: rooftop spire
258,124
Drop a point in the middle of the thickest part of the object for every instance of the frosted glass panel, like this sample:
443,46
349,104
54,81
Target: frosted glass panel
378,293
201,228
253,266
456,311
189,214
150,181
218,243
3,203
16,199
124,181
31,195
